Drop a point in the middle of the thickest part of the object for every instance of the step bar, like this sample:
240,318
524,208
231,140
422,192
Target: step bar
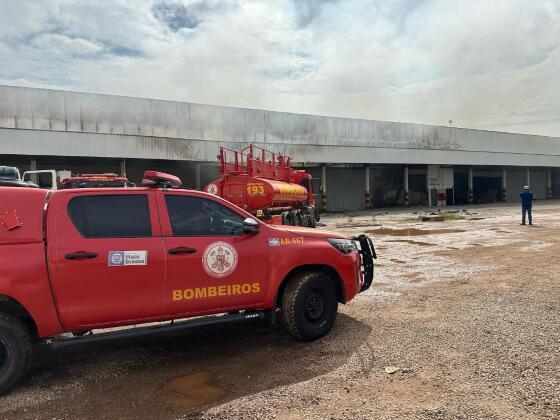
65,341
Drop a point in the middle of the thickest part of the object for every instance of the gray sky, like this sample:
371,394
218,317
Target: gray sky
492,64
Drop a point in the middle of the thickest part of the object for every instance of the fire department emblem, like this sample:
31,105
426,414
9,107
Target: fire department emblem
219,259
212,189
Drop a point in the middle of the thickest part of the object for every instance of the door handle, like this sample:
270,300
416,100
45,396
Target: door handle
182,250
79,255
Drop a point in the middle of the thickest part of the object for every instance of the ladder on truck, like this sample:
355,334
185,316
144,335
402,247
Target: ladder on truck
256,161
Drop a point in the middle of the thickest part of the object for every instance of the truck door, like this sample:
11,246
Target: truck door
106,256
212,265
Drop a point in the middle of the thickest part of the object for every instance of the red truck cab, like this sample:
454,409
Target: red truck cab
77,260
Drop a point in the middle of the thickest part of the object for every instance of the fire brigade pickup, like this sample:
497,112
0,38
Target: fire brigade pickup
75,262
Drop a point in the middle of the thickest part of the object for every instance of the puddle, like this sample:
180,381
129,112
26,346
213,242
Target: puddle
410,241
192,390
412,231
398,261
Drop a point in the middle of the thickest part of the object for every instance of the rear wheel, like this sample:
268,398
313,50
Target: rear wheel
309,306
15,351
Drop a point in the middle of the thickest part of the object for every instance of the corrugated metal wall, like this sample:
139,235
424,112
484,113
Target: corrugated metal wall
49,122
515,181
538,184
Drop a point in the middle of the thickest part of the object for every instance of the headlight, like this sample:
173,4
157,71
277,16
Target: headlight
346,246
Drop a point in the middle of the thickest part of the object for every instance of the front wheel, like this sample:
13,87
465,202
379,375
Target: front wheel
16,347
309,306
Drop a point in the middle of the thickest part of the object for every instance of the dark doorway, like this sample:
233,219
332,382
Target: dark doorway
487,189
387,188
417,190
461,184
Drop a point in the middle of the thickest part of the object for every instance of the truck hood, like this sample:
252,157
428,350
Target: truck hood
308,232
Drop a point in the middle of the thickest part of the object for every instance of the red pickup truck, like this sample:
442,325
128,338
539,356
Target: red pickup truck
74,262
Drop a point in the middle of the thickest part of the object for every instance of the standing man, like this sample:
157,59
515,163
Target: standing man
526,204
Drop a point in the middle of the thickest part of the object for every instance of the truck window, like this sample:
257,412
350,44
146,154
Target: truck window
111,216
195,216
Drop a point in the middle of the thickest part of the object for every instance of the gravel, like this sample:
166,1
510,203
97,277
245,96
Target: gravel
471,321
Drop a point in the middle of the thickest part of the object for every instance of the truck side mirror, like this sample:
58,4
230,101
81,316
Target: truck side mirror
250,226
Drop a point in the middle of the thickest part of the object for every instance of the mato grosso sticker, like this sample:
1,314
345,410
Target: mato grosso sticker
120,258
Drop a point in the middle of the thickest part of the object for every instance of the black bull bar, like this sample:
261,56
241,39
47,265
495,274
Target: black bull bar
367,253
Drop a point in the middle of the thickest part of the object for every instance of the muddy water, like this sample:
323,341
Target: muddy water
412,231
192,390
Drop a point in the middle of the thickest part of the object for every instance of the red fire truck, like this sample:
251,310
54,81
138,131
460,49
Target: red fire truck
105,180
84,259
264,184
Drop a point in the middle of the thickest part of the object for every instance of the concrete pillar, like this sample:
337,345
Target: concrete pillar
528,178
33,167
471,186
504,185
324,187
197,176
368,195
123,168
406,198
549,184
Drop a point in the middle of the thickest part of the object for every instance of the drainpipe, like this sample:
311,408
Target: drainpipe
549,185
368,195
324,187
406,198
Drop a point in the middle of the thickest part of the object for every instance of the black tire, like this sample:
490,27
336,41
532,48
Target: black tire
311,217
309,306
16,348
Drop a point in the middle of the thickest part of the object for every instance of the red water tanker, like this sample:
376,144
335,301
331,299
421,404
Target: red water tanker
264,184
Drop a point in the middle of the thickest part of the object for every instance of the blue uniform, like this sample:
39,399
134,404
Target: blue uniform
526,206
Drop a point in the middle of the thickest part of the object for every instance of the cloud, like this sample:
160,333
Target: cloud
62,44
482,64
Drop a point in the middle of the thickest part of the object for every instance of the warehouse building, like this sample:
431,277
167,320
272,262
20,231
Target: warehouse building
355,163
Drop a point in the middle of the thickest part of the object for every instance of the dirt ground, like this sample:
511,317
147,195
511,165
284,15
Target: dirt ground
468,310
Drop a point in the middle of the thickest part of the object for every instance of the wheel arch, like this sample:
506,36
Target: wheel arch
321,268
11,306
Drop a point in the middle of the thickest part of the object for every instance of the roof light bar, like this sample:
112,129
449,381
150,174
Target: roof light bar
160,179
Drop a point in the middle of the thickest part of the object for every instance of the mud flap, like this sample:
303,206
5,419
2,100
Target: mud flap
367,252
